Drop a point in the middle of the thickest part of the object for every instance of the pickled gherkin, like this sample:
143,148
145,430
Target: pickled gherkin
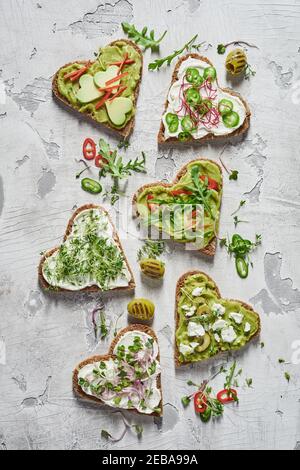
141,309
236,62
152,268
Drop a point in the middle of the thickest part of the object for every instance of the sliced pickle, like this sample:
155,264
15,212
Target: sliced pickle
152,268
141,309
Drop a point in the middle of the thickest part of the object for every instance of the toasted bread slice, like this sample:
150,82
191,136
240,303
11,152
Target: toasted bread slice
81,394
209,137
123,132
45,285
179,286
209,250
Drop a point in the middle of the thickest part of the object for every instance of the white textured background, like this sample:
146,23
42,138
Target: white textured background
43,338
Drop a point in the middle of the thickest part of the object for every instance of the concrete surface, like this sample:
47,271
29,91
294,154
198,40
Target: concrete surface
43,337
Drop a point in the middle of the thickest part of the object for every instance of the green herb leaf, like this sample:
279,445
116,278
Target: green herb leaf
141,38
249,382
242,203
185,401
287,376
281,361
221,49
124,144
105,434
234,175
168,60
249,72
139,430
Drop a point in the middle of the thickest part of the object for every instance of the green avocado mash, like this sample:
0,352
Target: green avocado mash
107,56
209,311
201,185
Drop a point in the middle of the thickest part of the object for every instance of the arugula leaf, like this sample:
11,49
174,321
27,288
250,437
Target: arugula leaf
114,166
203,193
141,38
160,62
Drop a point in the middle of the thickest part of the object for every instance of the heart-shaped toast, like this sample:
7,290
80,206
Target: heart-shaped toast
87,87
197,109
90,258
207,324
128,377
187,210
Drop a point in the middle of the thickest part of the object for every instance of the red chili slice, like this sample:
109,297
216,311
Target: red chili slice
181,192
200,403
212,184
151,207
89,149
227,396
100,161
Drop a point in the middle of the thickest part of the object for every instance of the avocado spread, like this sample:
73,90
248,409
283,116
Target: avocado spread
208,324
200,186
84,94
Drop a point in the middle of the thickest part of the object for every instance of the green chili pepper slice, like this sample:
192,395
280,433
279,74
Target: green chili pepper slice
193,76
205,417
210,73
172,121
231,119
183,136
170,117
242,267
225,106
91,186
187,124
192,95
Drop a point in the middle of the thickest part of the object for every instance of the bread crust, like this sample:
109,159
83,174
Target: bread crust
80,393
45,285
127,130
180,284
209,137
210,249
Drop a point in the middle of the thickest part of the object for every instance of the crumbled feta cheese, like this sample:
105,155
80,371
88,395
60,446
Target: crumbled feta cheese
187,349
194,329
228,334
197,292
237,317
217,338
189,310
218,310
247,328
219,325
